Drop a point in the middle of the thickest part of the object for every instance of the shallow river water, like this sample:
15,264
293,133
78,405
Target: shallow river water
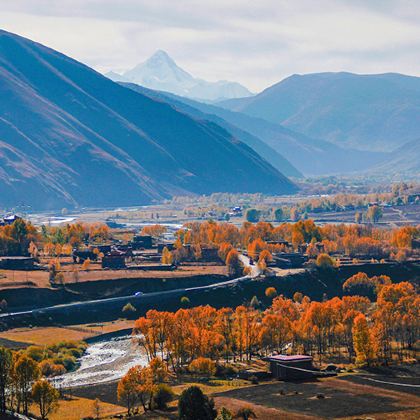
103,362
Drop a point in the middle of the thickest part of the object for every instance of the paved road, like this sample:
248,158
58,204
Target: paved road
144,298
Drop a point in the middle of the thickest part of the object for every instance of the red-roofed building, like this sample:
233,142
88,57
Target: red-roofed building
286,367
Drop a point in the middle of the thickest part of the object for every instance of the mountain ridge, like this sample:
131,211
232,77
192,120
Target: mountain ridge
403,161
197,110
71,137
160,72
369,112
309,156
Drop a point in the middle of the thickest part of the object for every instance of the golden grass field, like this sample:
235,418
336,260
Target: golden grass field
51,335
13,279
78,408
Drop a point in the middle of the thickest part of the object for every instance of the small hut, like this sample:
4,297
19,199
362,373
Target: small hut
285,367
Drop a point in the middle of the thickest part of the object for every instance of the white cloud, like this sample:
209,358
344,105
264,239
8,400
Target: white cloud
256,43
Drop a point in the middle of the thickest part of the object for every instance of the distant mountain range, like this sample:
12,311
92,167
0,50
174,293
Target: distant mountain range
292,153
403,161
160,72
207,112
72,137
379,112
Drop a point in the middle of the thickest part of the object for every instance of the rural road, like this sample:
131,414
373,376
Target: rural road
144,298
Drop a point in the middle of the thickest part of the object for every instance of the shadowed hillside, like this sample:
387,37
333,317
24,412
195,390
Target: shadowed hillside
291,152
70,136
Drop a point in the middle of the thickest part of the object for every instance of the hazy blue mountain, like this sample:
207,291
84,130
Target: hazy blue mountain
403,161
160,72
204,112
310,156
370,112
70,136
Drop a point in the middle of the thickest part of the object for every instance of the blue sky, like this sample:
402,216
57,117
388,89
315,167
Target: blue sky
254,42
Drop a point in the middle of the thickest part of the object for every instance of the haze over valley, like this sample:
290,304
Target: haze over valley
65,115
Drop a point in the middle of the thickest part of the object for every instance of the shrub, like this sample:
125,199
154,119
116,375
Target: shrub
49,368
162,396
325,262
128,309
297,297
185,301
271,292
76,351
69,362
203,366
226,370
255,303
245,413
35,352
224,414
253,379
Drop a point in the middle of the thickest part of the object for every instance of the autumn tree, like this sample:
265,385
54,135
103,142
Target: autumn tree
294,214
275,331
129,391
203,366
362,341
297,297
252,215
167,257
360,284
33,250
255,247
265,255
25,372
270,292
154,230
6,363
325,262
96,408
45,396
233,263
224,249
128,309
278,215
86,264
374,214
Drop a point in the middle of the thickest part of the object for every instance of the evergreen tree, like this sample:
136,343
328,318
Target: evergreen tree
194,405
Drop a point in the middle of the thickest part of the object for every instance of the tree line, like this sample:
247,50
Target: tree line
351,328
351,240
21,384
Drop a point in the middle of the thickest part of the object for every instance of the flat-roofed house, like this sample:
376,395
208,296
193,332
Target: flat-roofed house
286,367
114,260
17,263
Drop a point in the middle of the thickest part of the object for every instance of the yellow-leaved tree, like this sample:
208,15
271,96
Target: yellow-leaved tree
362,341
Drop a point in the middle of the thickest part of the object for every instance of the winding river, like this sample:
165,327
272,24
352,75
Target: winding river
104,361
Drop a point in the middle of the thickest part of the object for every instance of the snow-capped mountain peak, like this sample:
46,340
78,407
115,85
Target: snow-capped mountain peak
160,72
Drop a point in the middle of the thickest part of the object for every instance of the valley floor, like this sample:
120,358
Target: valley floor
347,396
